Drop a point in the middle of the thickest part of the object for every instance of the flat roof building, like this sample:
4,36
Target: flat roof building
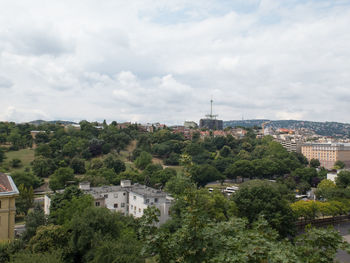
327,153
127,198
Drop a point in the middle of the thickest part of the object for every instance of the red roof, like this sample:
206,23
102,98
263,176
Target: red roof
5,185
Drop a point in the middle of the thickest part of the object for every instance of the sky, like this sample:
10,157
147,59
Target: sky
162,61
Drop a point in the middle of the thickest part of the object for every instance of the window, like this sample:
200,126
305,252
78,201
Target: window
147,201
134,197
105,196
139,210
122,204
97,203
115,195
131,206
123,193
156,200
115,205
135,208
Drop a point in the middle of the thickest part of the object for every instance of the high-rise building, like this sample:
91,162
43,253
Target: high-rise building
327,153
8,193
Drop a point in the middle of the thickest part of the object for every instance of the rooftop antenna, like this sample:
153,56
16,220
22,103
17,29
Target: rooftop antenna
211,115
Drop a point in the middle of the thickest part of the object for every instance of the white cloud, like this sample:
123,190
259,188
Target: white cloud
162,60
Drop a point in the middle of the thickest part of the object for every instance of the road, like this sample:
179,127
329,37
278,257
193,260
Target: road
343,228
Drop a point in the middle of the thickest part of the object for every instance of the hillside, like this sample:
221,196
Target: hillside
39,122
334,129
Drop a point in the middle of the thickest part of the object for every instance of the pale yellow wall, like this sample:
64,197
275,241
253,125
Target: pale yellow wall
7,214
327,158
344,156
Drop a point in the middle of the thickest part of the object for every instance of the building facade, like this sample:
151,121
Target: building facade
127,198
327,153
8,193
290,145
211,124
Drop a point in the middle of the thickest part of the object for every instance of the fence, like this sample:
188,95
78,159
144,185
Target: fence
322,221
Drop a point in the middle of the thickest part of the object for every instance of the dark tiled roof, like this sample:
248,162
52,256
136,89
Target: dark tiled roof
5,185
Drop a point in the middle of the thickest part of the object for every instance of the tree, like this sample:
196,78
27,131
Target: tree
15,163
305,174
95,147
265,168
96,164
234,240
243,168
25,199
203,174
178,184
343,179
2,155
49,238
78,165
90,226
326,184
112,162
339,164
58,200
33,220
173,159
314,163
61,176
68,208
320,245
43,150
123,250
27,179
26,257
160,177
143,160
41,137
42,167
263,198
225,151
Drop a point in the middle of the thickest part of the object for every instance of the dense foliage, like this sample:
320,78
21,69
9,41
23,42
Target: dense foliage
251,225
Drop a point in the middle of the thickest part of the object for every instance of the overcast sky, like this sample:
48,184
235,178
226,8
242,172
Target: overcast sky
156,60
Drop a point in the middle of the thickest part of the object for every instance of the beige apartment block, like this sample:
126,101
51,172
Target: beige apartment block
327,153
8,193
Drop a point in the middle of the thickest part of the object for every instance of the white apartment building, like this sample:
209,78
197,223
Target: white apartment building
127,198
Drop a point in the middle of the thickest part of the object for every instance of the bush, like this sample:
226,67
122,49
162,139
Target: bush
15,163
143,160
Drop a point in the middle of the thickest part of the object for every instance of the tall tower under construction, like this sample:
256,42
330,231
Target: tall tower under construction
210,122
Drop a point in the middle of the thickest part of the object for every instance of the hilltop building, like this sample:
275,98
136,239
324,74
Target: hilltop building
127,198
8,193
190,125
210,122
327,153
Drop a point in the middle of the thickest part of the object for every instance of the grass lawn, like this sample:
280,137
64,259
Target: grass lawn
25,155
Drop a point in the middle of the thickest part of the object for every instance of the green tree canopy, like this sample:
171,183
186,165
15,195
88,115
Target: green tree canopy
143,160
343,179
263,198
60,178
